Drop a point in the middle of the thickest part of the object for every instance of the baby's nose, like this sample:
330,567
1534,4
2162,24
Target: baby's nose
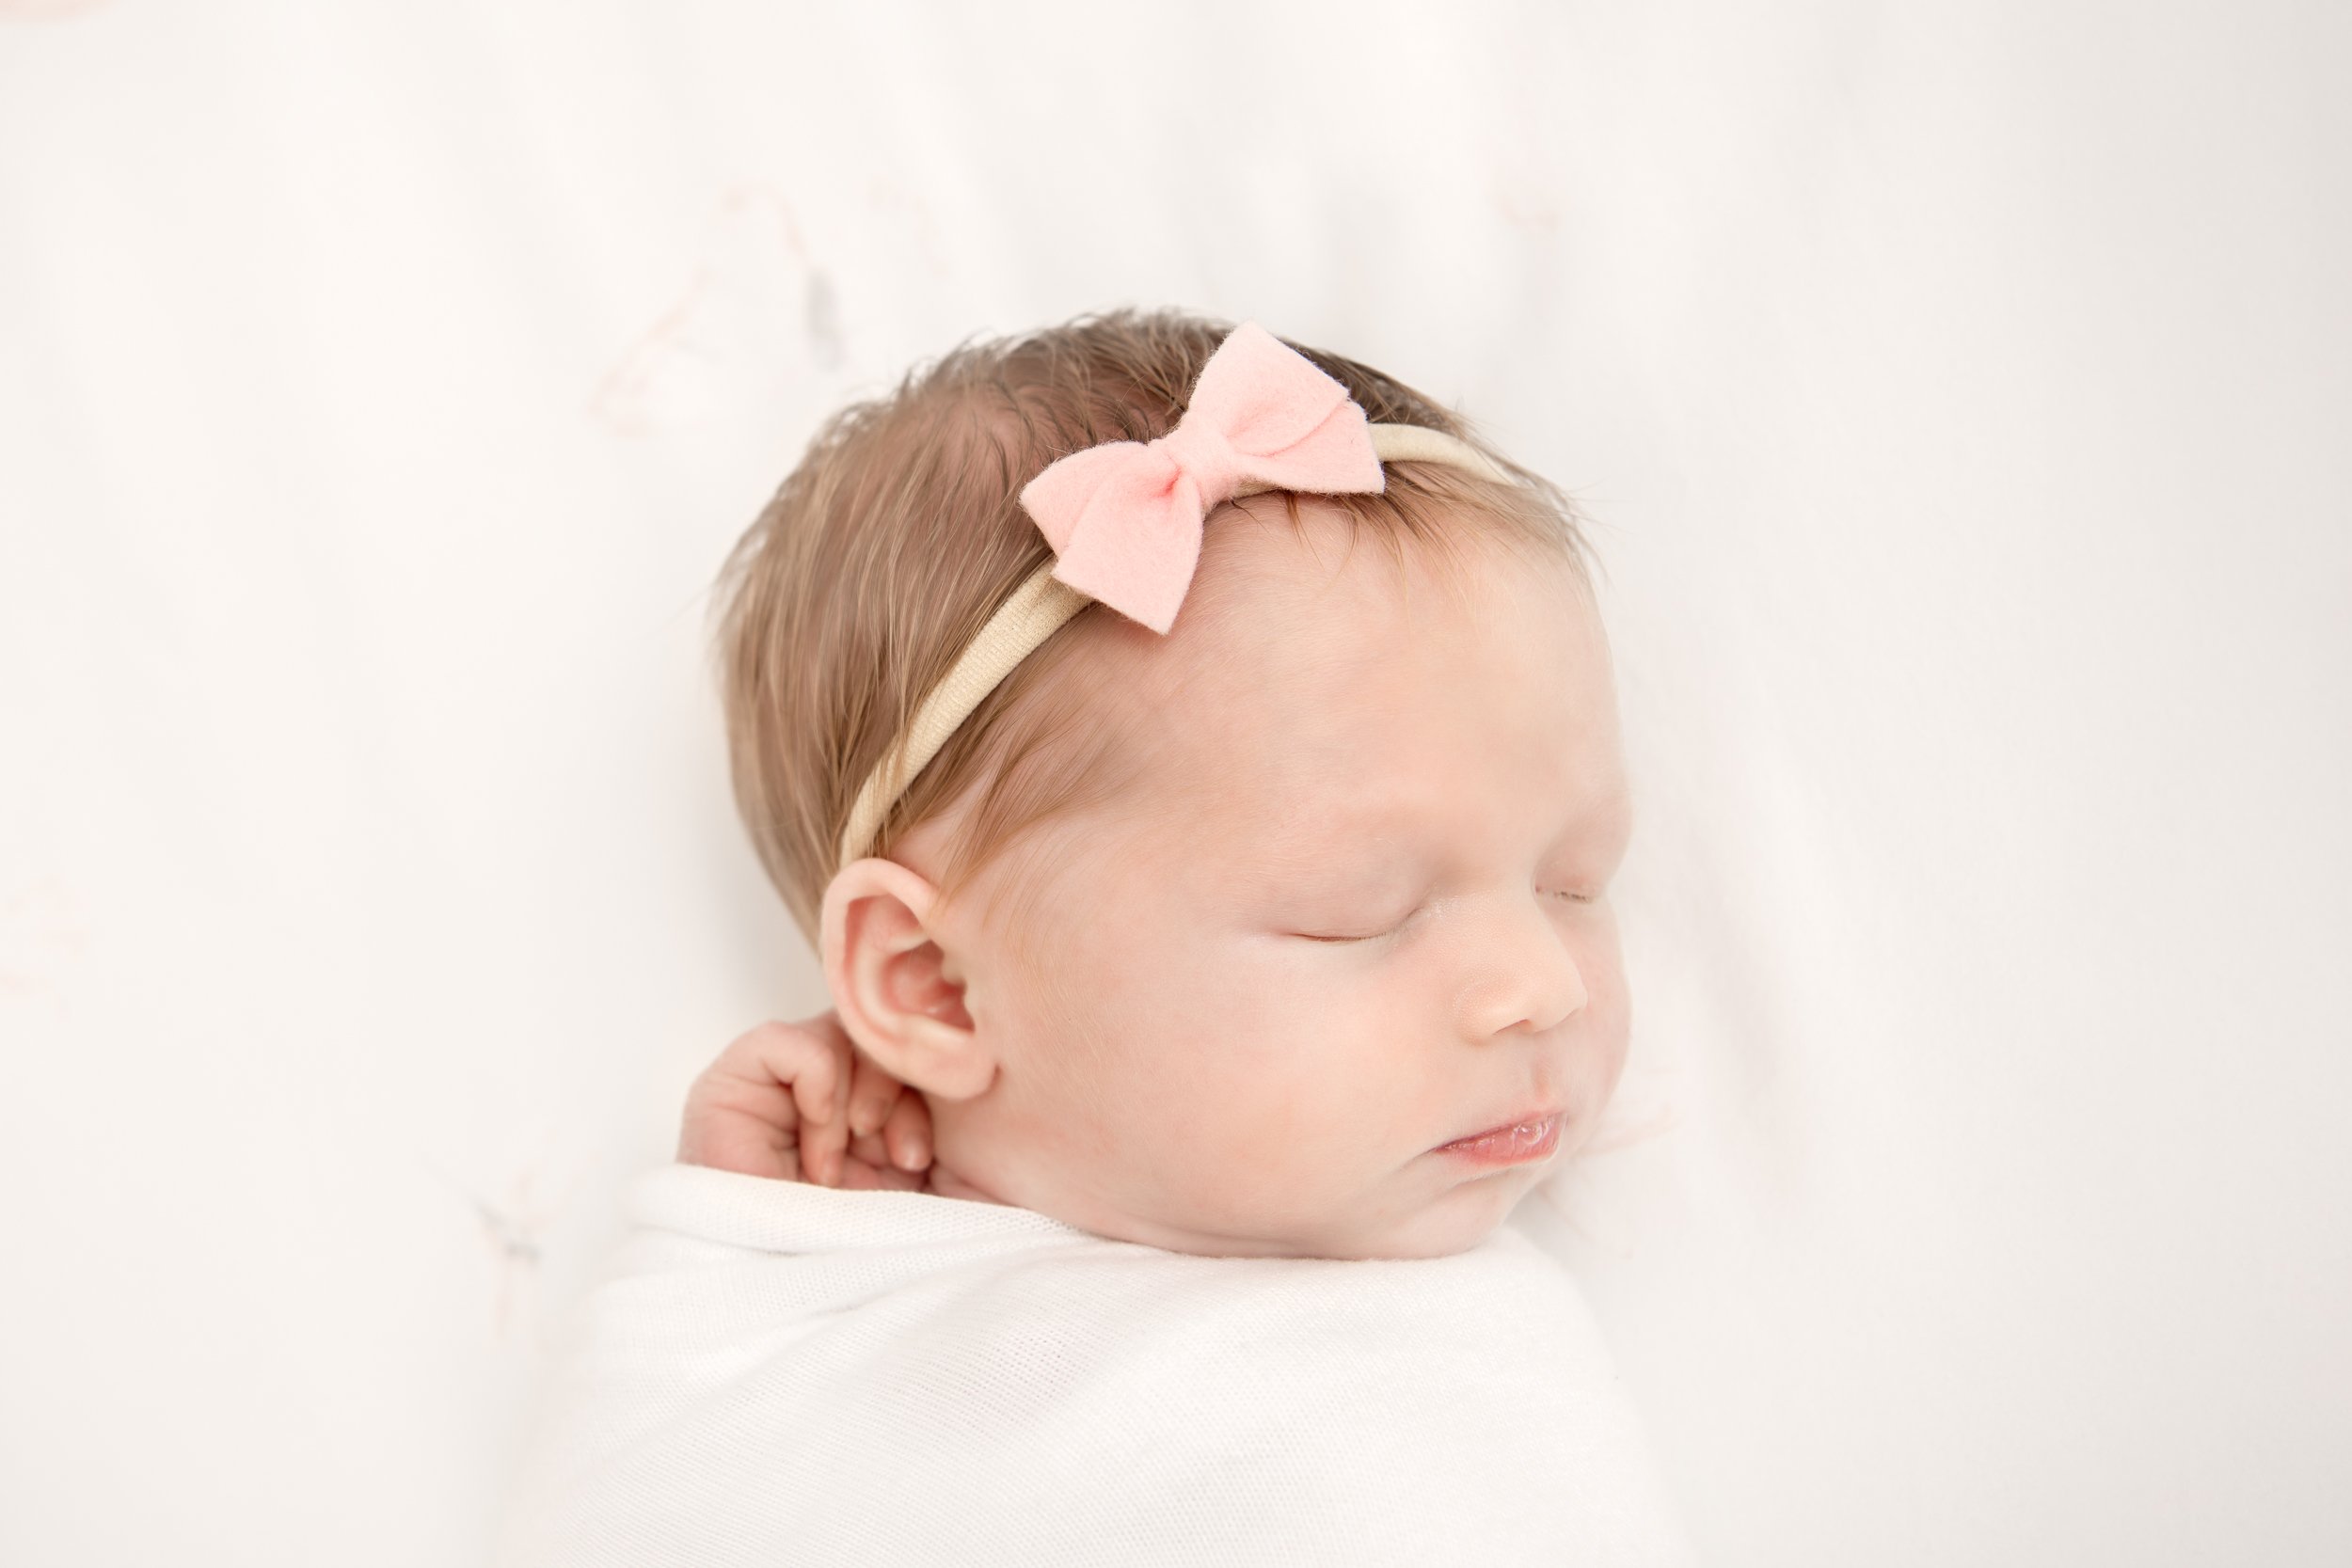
1527,972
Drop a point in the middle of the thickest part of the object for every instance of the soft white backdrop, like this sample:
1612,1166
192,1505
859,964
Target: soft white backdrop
1963,392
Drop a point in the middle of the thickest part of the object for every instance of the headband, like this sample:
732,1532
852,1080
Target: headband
1124,518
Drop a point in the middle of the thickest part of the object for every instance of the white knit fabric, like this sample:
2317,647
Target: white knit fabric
773,1372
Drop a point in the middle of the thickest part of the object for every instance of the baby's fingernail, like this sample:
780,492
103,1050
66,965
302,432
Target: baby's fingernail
863,1121
912,1155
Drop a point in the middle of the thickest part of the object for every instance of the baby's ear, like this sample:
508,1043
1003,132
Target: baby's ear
891,984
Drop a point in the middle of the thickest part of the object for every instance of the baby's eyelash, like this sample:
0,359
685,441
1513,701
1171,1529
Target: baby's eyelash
1376,936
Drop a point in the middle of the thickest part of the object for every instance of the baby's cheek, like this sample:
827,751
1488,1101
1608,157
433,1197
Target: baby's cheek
1238,1092
1276,1156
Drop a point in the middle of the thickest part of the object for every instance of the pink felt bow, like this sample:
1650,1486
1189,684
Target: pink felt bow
1125,516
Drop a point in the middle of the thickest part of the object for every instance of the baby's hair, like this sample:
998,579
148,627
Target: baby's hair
900,532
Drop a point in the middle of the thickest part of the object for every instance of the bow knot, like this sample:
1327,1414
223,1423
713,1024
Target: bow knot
1124,517
1203,455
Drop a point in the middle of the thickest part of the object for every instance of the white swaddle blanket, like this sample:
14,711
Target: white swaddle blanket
773,1372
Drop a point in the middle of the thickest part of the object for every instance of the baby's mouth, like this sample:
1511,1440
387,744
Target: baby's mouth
1510,1146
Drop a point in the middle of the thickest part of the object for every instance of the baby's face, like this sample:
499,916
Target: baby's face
1356,908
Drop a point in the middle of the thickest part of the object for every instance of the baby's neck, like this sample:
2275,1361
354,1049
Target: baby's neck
942,1182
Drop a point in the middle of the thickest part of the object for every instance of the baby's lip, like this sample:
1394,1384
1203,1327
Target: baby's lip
1532,1114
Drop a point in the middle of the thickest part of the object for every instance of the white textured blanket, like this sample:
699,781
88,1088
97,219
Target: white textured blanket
776,1374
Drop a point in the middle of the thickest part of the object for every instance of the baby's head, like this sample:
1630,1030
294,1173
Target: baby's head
1207,940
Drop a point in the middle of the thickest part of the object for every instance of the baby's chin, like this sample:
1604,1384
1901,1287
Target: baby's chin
1460,1218
1458,1215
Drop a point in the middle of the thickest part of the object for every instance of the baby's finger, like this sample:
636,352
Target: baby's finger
860,1172
824,1103
740,1114
869,1148
804,1058
872,1092
801,1072
907,1134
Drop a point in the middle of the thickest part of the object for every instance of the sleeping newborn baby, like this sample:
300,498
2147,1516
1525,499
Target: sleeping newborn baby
1207,838
1334,974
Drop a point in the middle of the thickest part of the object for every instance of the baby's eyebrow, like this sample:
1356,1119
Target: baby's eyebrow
1356,831
1350,824
1294,845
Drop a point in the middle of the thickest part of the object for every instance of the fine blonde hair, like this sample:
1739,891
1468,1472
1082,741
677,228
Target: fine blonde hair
899,532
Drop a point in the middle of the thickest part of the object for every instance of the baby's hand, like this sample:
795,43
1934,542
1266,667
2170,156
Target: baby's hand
799,1101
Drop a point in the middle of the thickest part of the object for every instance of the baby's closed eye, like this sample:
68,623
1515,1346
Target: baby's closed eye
1341,931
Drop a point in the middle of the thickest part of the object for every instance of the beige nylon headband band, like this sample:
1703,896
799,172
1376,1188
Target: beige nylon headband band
1036,609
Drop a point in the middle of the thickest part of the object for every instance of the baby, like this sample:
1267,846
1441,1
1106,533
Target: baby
1282,930
1216,914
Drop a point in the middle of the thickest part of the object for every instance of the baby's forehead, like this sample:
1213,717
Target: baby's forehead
1313,601
1324,684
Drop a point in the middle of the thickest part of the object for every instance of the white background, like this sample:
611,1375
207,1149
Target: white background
1962,391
